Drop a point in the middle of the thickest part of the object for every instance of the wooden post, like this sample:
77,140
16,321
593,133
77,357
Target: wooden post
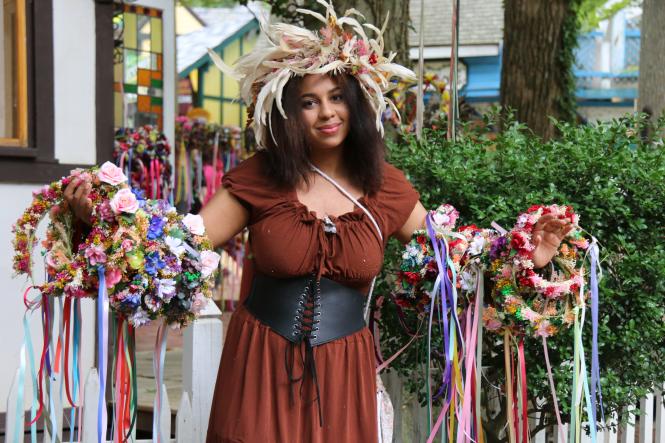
183,424
90,399
10,418
646,419
200,361
164,417
628,430
54,404
660,413
541,436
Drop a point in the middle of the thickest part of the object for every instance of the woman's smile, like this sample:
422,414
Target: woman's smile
330,129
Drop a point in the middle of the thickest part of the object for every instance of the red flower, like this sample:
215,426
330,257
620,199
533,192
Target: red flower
411,277
373,58
518,241
534,208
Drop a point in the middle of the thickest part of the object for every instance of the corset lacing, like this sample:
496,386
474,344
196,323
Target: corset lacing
304,328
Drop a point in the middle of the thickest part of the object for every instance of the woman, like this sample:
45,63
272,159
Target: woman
320,203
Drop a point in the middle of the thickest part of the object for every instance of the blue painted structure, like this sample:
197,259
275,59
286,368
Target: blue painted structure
594,87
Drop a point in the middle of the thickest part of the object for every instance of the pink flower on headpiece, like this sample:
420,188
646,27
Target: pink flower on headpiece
361,46
327,34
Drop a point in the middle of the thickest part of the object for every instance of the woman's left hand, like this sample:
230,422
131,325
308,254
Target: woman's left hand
546,236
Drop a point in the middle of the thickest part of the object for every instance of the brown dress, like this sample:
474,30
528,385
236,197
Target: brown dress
252,401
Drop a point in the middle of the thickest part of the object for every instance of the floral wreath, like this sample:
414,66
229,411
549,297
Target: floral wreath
522,298
525,298
153,262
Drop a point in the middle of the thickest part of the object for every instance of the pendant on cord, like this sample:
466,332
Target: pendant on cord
329,226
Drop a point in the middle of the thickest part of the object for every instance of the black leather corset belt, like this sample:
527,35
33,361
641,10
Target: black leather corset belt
304,309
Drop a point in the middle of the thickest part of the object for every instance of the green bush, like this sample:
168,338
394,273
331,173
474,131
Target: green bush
614,177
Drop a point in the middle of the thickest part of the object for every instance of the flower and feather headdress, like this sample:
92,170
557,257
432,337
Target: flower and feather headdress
340,46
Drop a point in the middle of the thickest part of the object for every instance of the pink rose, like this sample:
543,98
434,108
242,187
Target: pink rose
113,276
111,174
209,262
194,223
95,255
124,201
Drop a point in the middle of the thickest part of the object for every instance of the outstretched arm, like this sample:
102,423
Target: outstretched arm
415,221
223,217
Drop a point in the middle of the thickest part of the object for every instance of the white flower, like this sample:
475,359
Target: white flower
139,318
476,246
467,281
166,288
441,219
175,245
194,223
522,219
209,262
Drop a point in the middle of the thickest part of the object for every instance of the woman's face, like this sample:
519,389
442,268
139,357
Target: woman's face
324,112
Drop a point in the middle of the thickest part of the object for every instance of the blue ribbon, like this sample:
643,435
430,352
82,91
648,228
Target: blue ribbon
102,339
596,393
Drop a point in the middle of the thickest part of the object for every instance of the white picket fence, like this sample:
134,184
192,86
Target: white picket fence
201,355
648,424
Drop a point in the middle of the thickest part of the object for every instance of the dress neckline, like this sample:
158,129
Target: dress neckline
293,197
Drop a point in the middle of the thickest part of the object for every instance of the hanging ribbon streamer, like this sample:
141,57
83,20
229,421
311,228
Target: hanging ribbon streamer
102,352
158,368
27,353
553,391
124,396
595,275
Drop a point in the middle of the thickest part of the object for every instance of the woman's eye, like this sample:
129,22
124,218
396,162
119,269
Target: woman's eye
337,98
307,104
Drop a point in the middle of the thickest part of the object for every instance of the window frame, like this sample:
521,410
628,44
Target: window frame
21,140
36,162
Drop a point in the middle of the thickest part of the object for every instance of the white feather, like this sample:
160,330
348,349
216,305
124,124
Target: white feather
226,69
314,14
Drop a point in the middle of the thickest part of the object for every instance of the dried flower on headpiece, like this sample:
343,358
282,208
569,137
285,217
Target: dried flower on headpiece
291,51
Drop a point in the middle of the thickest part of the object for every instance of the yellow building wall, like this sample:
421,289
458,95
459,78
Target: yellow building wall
229,110
185,22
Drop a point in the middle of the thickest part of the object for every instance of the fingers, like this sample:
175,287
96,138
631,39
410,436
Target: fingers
76,197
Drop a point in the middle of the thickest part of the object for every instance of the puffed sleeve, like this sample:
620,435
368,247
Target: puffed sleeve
395,200
249,184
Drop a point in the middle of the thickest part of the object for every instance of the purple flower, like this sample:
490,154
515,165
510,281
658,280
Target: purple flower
131,300
156,228
153,263
497,247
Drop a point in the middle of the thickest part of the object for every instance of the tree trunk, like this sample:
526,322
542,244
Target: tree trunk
536,76
396,36
652,63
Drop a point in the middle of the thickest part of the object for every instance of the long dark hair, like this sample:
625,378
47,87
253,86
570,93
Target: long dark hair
287,161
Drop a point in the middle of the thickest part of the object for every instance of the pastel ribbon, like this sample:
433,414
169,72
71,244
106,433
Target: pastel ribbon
158,367
102,341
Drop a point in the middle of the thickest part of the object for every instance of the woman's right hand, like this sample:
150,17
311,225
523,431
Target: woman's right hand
76,198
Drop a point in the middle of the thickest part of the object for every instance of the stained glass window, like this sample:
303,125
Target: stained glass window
138,71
